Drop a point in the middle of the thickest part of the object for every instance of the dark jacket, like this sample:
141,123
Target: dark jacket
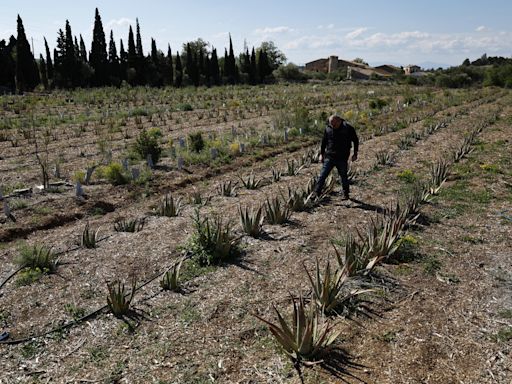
336,143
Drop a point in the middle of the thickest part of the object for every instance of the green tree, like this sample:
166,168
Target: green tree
123,61
214,68
98,57
83,50
179,71
274,55
43,73
113,62
27,73
7,64
170,66
131,58
49,62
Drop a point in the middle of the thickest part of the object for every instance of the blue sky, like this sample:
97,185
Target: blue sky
399,32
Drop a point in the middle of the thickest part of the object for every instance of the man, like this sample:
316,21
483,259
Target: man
335,152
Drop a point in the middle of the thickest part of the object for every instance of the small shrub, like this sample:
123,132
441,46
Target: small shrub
148,143
276,212
115,174
407,176
37,257
89,238
276,175
196,142
132,225
119,300
79,176
251,221
213,241
227,188
170,207
170,279
329,289
250,181
305,336
384,158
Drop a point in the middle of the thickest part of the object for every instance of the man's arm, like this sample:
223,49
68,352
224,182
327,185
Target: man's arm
322,146
355,140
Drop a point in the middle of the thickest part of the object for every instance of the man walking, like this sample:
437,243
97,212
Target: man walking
335,152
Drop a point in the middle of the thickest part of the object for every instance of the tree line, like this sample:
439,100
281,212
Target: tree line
70,65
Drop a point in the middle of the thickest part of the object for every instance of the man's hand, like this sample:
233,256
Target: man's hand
321,158
354,156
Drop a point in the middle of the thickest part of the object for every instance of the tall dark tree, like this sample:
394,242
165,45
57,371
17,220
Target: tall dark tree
70,64
191,67
83,50
264,69
131,58
140,67
7,65
123,61
179,71
207,72
170,65
156,66
98,56
49,62
225,68
43,73
214,68
113,62
253,72
27,73
230,65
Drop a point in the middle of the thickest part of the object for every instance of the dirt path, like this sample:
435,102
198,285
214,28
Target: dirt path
209,332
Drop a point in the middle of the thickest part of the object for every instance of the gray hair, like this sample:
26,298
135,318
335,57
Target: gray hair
334,117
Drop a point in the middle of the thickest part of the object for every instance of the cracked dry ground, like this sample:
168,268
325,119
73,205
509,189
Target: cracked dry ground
442,316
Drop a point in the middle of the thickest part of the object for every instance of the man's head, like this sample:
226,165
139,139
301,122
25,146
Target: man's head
335,121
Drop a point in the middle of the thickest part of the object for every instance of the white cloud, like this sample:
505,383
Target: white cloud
330,26
273,30
122,22
482,28
356,33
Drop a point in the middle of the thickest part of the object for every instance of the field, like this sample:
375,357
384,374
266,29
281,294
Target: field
436,306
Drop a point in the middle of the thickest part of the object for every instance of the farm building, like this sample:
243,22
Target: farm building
355,70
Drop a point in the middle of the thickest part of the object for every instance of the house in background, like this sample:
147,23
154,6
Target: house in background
354,70
410,69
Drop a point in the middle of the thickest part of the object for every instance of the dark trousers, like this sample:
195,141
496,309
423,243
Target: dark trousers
342,167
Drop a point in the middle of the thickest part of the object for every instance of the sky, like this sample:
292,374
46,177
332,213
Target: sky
430,32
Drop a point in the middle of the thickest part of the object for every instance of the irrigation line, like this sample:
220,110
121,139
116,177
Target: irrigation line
93,313
13,273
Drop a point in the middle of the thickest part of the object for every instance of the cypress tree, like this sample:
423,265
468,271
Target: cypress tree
69,63
179,70
253,72
42,70
226,73
207,72
138,48
113,62
131,58
76,50
214,68
171,69
49,62
233,70
264,68
27,73
123,61
98,57
156,66
7,65
140,57
83,50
